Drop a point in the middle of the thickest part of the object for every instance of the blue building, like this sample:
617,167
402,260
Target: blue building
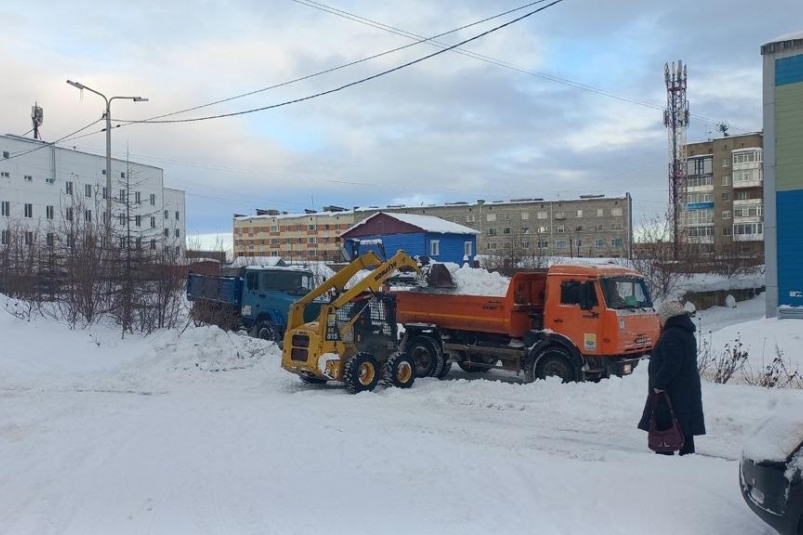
783,174
418,235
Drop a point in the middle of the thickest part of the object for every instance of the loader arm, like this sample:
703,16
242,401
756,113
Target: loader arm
338,281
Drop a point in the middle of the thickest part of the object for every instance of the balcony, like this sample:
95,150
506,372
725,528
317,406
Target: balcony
748,211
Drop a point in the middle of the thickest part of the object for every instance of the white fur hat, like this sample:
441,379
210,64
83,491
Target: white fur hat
670,309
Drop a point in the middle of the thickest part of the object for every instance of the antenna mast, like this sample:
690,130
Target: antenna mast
676,120
37,118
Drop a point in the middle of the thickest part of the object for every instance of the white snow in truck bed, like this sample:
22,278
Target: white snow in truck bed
201,431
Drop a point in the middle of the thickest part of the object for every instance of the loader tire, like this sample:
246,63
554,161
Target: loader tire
398,371
552,362
426,355
361,373
447,367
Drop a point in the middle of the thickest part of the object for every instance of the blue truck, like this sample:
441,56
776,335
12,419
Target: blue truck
255,298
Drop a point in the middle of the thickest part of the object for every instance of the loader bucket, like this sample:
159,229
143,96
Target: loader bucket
438,276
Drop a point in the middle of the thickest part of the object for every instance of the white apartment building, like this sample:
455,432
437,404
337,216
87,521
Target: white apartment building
45,189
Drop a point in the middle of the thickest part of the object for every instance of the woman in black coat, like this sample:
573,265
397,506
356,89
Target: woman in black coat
673,369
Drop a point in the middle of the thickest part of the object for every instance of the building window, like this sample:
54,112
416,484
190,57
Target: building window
579,213
68,188
560,215
70,240
726,196
167,215
5,174
560,229
727,231
726,180
542,214
491,232
177,215
138,197
543,244
28,178
699,181
153,245
153,199
599,242
579,228
312,240
726,214
5,206
167,233
5,236
748,156
29,238
543,230
6,155
561,244
525,230
122,175
274,228
600,212
726,162
748,229
434,248
468,249
525,216
600,227
28,210
49,212
88,216
616,212
122,219
68,214
88,190
490,218
137,221
506,230
122,195
617,243
492,245
138,243
105,193
102,171
50,239
153,222
506,217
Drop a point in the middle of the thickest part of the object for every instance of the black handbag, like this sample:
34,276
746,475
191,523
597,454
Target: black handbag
664,439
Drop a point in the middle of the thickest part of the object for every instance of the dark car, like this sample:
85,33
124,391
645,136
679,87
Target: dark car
770,472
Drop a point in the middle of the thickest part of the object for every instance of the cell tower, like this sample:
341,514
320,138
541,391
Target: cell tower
37,118
676,120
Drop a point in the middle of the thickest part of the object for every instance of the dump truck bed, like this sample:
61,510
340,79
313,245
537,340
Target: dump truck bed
212,288
510,314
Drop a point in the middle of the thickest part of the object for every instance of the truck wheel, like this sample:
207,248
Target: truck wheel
447,367
266,330
398,371
552,362
361,373
427,356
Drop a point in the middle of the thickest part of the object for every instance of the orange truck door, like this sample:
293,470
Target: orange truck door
578,314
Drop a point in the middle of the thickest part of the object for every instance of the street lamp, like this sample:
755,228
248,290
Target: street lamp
108,145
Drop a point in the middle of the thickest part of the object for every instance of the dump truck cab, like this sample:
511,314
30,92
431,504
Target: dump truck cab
604,312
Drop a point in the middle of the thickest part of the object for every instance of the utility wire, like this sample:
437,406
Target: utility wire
356,82
489,59
50,144
346,65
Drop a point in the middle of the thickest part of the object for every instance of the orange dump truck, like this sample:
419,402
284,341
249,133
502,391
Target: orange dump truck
576,322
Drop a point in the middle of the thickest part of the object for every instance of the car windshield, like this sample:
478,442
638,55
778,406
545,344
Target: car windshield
286,280
625,292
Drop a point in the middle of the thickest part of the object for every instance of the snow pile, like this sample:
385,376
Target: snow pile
709,282
477,281
760,338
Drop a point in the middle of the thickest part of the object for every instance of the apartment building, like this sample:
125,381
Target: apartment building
591,226
783,188
309,236
47,191
724,206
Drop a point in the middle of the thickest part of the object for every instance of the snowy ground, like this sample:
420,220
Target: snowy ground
202,432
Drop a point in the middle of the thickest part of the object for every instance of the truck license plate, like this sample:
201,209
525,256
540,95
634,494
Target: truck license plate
627,368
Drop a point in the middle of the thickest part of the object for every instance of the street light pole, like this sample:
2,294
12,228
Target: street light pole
108,146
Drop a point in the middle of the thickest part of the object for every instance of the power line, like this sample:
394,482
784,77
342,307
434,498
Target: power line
489,59
340,67
50,144
352,84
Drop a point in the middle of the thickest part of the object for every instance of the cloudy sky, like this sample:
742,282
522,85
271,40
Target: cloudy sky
574,108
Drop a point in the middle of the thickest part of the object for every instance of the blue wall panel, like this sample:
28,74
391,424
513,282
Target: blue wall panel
789,70
790,247
452,246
